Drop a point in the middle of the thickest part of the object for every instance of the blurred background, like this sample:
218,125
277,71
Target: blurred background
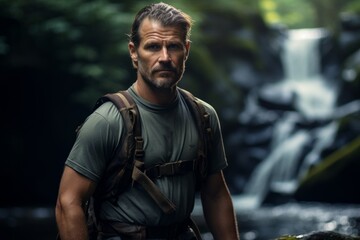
283,76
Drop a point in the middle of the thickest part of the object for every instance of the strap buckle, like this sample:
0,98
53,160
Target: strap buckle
170,169
139,144
153,172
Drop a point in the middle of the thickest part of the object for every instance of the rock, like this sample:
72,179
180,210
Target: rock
326,235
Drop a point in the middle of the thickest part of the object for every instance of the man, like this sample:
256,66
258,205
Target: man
159,47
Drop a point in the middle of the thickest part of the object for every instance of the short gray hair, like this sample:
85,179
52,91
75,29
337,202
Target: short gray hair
164,13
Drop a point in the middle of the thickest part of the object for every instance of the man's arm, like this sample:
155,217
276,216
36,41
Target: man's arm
218,208
74,191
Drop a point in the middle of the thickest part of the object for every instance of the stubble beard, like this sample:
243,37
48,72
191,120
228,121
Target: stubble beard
162,82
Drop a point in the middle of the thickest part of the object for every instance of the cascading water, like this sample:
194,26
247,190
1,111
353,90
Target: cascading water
314,99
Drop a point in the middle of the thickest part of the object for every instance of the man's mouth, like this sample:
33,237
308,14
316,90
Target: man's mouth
165,70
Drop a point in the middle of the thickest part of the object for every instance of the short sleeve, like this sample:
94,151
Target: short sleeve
96,142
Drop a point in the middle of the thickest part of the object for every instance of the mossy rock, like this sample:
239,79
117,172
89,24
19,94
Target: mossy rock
327,235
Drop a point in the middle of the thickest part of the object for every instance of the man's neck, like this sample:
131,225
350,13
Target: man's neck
155,95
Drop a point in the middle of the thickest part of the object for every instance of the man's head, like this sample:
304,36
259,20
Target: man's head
159,45
163,13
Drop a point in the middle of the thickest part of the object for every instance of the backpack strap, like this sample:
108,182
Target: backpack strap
162,201
119,170
199,164
170,169
130,155
202,119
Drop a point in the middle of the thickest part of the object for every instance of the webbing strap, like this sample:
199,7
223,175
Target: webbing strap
137,175
170,169
119,170
202,119
123,98
130,105
164,203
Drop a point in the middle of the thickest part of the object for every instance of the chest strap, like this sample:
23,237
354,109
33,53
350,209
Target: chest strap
144,178
151,188
170,169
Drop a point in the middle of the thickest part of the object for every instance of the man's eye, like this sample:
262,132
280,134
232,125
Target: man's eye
153,47
174,47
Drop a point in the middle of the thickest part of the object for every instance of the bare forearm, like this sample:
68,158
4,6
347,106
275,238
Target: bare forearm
220,217
74,191
71,223
218,208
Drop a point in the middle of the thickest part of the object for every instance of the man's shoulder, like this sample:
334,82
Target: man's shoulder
106,108
108,112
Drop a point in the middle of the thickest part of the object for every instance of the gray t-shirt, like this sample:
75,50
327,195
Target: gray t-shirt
170,134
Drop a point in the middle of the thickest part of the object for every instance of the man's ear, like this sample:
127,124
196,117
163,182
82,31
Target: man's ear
133,54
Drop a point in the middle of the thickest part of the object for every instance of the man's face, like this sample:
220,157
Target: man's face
161,55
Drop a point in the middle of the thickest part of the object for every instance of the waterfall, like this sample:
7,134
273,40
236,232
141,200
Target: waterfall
301,59
314,100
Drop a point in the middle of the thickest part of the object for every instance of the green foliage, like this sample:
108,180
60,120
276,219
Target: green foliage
307,13
294,14
84,40
352,7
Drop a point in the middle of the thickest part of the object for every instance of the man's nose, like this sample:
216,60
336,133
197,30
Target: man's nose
165,56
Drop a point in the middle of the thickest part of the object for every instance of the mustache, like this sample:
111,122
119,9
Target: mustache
164,68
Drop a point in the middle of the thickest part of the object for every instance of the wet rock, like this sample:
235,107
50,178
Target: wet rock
277,97
327,235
